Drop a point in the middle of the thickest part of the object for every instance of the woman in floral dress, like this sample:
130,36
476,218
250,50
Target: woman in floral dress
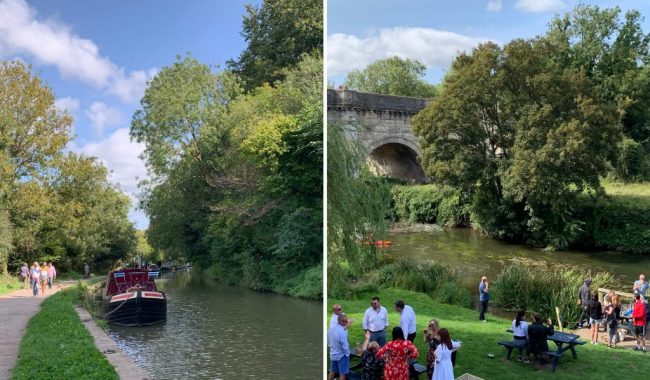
432,340
396,354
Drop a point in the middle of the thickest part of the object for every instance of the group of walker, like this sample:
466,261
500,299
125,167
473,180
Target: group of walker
394,360
610,313
38,276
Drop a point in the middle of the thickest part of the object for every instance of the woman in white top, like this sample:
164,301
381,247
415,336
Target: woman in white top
520,332
444,369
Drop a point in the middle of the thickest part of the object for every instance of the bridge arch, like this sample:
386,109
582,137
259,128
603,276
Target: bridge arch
387,135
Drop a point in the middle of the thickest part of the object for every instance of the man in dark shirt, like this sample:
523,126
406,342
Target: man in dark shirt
537,334
584,296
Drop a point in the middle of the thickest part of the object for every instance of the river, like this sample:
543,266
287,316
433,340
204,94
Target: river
219,332
474,255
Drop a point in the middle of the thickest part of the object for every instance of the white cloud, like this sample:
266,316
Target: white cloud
434,48
130,87
103,116
53,43
493,6
121,157
539,6
69,104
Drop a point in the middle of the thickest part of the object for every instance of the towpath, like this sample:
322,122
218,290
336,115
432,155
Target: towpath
16,309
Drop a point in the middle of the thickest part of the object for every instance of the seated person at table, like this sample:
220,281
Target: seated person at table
537,335
520,332
372,367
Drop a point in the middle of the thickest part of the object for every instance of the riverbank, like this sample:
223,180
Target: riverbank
480,339
619,221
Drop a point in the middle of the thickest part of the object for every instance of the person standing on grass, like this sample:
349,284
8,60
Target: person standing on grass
484,297
336,311
35,275
638,313
397,353
444,369
584,297
24,275
337,337
612,325
520,333
51,275
595,316
375,321
432,340
406,320
640,286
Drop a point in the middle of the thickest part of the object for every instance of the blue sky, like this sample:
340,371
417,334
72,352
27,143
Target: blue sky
433,31
97,56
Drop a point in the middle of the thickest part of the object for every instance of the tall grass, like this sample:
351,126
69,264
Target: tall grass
540,289
8,283
436,280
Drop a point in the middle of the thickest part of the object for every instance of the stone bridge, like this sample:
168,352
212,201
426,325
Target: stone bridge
382,123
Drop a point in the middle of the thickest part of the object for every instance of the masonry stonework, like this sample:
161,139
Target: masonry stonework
382,123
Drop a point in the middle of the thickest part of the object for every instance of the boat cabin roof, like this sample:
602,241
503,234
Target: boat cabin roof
119,281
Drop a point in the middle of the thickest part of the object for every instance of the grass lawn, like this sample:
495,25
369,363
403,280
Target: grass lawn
480,339
633,194
8,284
58,346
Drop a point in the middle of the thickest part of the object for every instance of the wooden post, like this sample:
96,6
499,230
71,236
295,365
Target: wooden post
559,321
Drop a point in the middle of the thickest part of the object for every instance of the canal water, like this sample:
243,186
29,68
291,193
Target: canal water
219,332
474,255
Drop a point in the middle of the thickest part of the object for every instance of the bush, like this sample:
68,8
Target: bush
540,288
428,204
633,162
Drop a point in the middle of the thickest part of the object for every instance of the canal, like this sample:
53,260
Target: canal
220,332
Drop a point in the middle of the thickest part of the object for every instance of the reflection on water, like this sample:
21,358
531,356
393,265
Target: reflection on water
218,332
474,255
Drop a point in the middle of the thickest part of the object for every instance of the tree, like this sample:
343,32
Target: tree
614,54
278,33
519,136
392,76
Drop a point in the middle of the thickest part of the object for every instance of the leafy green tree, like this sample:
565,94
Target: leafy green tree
278,33
521,137
614,54
392,76
6,244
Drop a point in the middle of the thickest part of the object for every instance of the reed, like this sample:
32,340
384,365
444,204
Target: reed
540,288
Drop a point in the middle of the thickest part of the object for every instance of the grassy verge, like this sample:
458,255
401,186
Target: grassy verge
480,339
8,284
58,346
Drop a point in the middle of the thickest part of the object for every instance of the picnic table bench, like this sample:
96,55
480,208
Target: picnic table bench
562,340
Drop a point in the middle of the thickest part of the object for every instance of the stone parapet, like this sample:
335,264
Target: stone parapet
349,99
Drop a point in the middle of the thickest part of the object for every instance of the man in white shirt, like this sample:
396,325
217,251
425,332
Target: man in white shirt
407,319
375,320
336,311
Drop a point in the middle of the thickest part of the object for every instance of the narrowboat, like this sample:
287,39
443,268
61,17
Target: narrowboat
131,298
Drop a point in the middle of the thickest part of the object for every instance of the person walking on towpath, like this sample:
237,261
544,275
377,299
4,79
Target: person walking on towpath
86,270
337,337
484,297
43,278
24,275
35,275
51,275
375,321
406,320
